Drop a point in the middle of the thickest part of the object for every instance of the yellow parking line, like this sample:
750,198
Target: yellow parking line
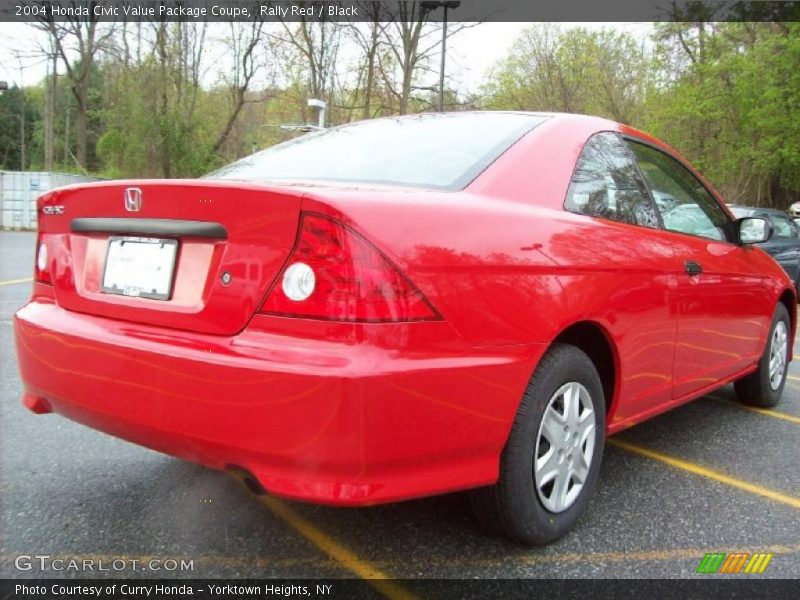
345,557
679,463
793,378
775,414
13,281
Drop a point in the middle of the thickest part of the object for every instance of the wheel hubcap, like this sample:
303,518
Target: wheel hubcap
777,355
564,447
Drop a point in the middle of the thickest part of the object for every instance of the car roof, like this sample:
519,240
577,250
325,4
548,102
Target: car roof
562,118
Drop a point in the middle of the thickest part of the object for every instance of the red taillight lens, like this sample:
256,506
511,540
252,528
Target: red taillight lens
41,267
334,273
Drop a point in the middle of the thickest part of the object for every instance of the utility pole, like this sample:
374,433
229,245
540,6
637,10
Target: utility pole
3,88
433,5
23,157
66,137
49,113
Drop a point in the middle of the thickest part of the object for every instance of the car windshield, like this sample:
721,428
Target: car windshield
741,211
444,151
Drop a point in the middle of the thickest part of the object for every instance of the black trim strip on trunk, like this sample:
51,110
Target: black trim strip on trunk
168,227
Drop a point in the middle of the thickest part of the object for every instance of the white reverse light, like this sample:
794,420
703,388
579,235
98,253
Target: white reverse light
41,259
298,282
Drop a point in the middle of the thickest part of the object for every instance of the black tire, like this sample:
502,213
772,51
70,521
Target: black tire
756,389
513,505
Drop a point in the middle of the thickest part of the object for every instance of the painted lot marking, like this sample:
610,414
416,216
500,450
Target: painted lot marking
345,557
775,414
342,555
13,281
696,469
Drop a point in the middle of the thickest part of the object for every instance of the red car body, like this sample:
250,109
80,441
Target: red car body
356,413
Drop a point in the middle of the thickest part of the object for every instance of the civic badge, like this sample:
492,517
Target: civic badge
133,199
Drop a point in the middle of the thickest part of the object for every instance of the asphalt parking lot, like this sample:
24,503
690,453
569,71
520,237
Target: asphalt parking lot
709,476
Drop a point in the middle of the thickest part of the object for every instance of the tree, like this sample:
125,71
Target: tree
368,39
152,100
310,53
77,42
728,96
595,72
13,105
243,40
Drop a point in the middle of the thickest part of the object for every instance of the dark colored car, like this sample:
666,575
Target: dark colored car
784,245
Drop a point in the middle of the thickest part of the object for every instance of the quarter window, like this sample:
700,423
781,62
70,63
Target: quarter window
606,184
683,202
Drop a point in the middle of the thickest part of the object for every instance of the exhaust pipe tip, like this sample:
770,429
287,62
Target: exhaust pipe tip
247,479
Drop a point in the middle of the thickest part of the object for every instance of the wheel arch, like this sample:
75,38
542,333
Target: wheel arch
596,342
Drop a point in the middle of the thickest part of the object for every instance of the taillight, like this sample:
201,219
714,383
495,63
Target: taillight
41,269
334,273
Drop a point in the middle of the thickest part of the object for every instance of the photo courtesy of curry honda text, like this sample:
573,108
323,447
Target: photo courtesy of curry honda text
405,307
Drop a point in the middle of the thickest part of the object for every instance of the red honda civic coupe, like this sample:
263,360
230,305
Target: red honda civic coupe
404,307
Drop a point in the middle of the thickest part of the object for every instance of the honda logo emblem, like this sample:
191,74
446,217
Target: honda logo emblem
133,199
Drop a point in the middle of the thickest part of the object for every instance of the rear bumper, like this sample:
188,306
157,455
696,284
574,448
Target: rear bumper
329,422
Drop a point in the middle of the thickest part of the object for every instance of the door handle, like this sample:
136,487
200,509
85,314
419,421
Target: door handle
692,268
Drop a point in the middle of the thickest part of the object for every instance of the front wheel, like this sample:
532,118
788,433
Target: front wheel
553,454
764,386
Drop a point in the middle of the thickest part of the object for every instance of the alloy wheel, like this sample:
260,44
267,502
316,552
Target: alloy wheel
777,355
564,447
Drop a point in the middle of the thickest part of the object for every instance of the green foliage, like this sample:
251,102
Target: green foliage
734,107
13,103
579,71
153,129
725,95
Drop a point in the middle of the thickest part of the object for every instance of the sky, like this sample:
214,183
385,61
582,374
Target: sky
470,54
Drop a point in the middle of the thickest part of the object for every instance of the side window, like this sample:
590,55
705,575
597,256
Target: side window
683,202
783,227
607,184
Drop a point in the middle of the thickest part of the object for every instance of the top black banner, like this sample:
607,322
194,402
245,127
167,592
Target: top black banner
405,10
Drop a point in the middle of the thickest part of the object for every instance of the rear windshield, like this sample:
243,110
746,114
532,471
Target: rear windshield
444,151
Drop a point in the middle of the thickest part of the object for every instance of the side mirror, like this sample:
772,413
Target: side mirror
753,230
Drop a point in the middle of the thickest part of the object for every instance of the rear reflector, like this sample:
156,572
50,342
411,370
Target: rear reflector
334,273
41,269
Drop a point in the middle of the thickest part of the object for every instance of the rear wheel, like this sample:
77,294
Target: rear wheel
553,454
765,386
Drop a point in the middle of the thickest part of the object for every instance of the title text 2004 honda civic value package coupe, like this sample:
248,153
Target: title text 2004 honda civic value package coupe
405,307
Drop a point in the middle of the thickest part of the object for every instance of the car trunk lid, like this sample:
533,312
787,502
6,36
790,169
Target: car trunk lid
189,254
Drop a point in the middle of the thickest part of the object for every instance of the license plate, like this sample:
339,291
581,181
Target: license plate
141,267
